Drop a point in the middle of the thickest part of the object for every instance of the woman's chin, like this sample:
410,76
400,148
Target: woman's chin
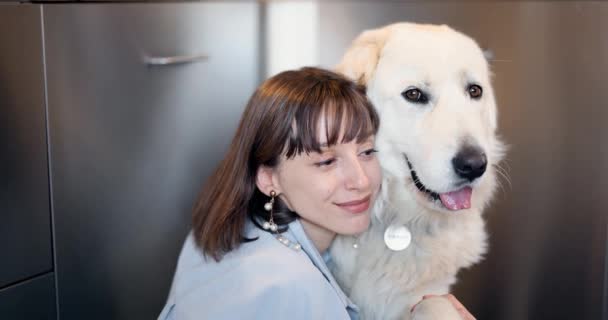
356,225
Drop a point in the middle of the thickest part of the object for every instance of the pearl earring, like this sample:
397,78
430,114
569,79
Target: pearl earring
268,206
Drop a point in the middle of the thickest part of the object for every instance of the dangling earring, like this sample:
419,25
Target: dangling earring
268,206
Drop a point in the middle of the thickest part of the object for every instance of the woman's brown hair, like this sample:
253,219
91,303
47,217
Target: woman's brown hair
281,119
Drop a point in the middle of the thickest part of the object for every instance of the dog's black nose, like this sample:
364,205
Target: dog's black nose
470,163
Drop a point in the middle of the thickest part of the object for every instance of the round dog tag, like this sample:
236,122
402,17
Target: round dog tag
397,237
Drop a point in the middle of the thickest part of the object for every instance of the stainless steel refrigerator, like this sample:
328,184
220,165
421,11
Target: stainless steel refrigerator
132,104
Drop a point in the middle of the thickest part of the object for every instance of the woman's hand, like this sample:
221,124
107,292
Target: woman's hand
462,311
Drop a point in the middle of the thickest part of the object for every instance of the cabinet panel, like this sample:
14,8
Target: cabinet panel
25,230
132,143
30,300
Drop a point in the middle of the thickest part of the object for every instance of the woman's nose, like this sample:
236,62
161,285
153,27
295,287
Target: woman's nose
356,176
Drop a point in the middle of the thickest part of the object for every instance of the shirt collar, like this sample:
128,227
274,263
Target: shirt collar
296,233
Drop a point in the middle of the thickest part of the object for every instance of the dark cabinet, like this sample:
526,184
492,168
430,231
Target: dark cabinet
25,225
30,300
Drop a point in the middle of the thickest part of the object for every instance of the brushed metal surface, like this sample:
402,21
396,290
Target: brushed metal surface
132,144
33,299
25,220
167,61
548,225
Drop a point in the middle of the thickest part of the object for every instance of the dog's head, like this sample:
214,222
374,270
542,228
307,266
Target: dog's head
431,87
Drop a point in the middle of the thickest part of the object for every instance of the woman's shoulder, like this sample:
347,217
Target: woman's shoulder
262,262
257,274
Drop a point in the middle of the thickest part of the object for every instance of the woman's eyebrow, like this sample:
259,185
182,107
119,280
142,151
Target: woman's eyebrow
369,139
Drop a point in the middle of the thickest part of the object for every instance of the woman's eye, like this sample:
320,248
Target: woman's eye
369,152
325,162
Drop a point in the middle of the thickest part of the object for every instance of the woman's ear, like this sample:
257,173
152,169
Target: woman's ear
265,182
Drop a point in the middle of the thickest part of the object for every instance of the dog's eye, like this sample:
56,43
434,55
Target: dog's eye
415,95
475,91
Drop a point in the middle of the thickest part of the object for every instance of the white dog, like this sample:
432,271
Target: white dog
439,150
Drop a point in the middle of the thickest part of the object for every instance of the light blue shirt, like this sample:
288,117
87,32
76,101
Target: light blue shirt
262,279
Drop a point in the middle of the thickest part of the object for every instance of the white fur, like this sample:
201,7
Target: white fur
385,284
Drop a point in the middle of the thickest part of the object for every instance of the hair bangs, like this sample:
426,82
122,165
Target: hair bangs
345,114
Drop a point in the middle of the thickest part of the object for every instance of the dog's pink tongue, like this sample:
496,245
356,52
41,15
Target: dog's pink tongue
457,200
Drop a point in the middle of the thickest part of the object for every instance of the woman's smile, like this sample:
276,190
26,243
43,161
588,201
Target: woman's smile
355,206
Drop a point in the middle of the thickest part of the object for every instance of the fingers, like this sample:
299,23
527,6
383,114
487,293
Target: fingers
464,313
423,298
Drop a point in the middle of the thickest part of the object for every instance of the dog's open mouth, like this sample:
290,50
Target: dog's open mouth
453,200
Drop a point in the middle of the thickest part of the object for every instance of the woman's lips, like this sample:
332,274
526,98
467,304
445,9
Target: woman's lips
356,206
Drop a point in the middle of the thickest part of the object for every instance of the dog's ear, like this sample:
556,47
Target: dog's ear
360,60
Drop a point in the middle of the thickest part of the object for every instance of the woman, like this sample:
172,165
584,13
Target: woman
300,170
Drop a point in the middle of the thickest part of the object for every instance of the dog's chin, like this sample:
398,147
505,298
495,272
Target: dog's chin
433,200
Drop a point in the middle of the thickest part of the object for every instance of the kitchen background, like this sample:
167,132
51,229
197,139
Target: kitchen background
112,115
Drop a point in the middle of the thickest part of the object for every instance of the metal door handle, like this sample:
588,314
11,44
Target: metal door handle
163,61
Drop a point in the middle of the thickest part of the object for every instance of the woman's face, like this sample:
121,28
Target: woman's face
332,191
